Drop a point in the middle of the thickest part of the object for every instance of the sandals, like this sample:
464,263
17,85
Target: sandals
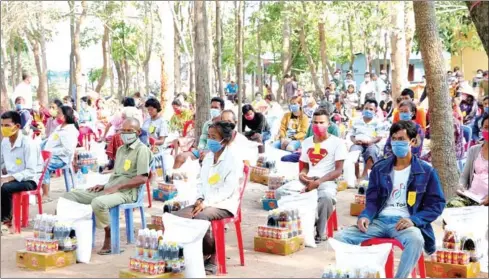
319,239
210,269
107,252
46,200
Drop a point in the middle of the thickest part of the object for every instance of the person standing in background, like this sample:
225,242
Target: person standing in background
24,90
379,86
231,91
338,81
290,87
367,89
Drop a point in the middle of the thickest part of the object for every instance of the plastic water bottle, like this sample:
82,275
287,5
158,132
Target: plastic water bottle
37,223
42,225
79,178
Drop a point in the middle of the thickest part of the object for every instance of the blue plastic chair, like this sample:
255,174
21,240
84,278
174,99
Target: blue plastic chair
115,246
68,170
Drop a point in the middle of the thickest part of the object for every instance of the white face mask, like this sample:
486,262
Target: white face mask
383,76
336,76
129,138
367,79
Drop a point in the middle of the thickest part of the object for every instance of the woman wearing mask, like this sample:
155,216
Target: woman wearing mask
181,116
61,143
310,107
293,127
259,131
407,112
351,98
477,127
218,187
155,126
468,105
474,178
87,115
259,104
52,123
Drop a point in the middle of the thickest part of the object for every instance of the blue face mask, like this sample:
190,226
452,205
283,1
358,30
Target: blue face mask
406,116
294,108
215,113
368,114
486,109
214,145
18,106
400,148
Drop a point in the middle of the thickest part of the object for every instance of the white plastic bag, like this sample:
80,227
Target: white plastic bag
349,167
189,233
307,204
187,191
351,257
98,151
81,217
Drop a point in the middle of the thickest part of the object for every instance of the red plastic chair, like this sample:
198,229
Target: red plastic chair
389,265
85,135
148,188
332,224
219,236
20,200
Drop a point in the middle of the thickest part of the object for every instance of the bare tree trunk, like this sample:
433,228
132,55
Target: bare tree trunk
105,45
192,40
19,67
41,88
201,66
176,54
478,12
398,47
219,49
148,45
164,83
127,75
12,67
43,98
386,47
286,55
209,45
410,28
120,79
111,71
324,58
239,57
72,92
259,72
310,61
4,104
442,139
77,52
350,39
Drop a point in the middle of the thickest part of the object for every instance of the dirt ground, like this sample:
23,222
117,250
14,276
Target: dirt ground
308,263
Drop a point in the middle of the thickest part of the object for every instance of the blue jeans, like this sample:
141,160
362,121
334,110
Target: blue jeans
54,164
292,146
385,227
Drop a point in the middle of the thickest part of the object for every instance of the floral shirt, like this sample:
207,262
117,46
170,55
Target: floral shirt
178,120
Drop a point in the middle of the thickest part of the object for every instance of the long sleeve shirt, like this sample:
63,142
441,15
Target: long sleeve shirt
22,160
219,185
257,125
205,134
62,142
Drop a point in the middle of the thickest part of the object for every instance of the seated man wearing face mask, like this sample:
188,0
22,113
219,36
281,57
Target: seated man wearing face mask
25,115
403,198
322,159
131,171
365,136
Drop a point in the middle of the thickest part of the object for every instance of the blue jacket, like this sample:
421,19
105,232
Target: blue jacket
423,179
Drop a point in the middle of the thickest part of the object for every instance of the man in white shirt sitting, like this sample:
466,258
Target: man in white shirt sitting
21,163
24,90
322,159
365,136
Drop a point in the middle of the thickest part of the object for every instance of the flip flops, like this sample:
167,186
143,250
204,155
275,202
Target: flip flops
46,200
210,269
107,252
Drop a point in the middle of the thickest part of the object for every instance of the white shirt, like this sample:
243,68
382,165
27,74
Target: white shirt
23,90
366,131
366,88
62,142
23,160
219,183
379,87
396,204
322,157
156,128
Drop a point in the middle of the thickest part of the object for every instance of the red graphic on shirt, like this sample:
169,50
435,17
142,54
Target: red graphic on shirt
315,158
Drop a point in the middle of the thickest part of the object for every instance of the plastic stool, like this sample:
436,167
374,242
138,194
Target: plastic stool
115,246
219,234
389,265
332,223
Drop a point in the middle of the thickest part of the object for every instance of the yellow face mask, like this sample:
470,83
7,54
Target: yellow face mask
8,131
53,112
